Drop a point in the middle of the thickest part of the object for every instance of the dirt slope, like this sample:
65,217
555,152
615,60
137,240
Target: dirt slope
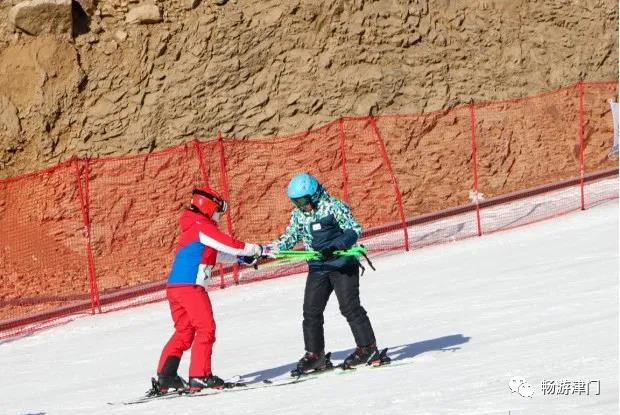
262,67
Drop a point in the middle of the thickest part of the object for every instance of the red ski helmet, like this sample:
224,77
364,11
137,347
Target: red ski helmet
207,201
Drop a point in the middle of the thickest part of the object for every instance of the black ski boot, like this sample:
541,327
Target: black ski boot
168,378
312,362
368,355
196,384
165,383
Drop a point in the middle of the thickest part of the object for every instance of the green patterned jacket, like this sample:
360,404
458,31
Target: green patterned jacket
331,225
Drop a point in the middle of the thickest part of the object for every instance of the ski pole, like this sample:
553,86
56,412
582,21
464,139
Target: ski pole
298,254
356,250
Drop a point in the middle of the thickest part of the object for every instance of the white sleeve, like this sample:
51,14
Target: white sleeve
247,250
224,258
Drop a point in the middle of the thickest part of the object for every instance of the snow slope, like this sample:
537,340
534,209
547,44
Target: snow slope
460,319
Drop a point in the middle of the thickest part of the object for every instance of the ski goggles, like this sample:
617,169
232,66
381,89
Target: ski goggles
222,206
301,202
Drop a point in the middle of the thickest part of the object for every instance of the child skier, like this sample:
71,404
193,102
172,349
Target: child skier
200,246
325,224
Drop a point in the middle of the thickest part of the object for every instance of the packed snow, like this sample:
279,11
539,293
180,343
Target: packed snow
537,304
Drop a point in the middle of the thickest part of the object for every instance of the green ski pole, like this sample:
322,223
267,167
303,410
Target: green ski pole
356,250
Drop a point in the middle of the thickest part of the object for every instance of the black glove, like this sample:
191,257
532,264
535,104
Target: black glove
249,261
327,253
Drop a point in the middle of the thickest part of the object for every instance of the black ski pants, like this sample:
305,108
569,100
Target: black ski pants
319,286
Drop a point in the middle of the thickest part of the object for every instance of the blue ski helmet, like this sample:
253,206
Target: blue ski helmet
303,189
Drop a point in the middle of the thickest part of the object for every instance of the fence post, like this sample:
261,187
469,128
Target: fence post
399,198
474,161
226,194
343,161
84,206
581,142
201,162
222,282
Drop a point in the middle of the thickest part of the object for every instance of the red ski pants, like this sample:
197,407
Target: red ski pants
193,327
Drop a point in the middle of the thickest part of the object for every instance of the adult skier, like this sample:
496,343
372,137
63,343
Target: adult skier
201,244
325,224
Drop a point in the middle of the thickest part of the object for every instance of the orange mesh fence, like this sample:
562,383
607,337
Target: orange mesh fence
538,144
598,128
432,154
598,134
262,172
134,204
94,235
373,191
43,260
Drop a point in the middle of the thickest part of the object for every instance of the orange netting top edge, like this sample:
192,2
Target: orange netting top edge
275,139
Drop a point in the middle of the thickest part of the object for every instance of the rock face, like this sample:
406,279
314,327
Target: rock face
38,17
39,83
256,68
146,13
9,121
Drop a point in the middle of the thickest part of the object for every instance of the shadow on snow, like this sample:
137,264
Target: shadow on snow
402,352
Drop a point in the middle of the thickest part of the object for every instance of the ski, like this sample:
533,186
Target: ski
230,387
377,360
147,398
267,383
236,384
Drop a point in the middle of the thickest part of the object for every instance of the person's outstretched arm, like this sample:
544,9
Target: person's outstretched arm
291,235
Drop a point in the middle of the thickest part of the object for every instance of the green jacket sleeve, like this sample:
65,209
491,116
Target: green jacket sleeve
291,235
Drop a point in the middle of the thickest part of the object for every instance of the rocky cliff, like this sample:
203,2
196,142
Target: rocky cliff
90,77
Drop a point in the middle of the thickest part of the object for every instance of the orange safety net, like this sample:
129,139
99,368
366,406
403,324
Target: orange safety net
94,235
